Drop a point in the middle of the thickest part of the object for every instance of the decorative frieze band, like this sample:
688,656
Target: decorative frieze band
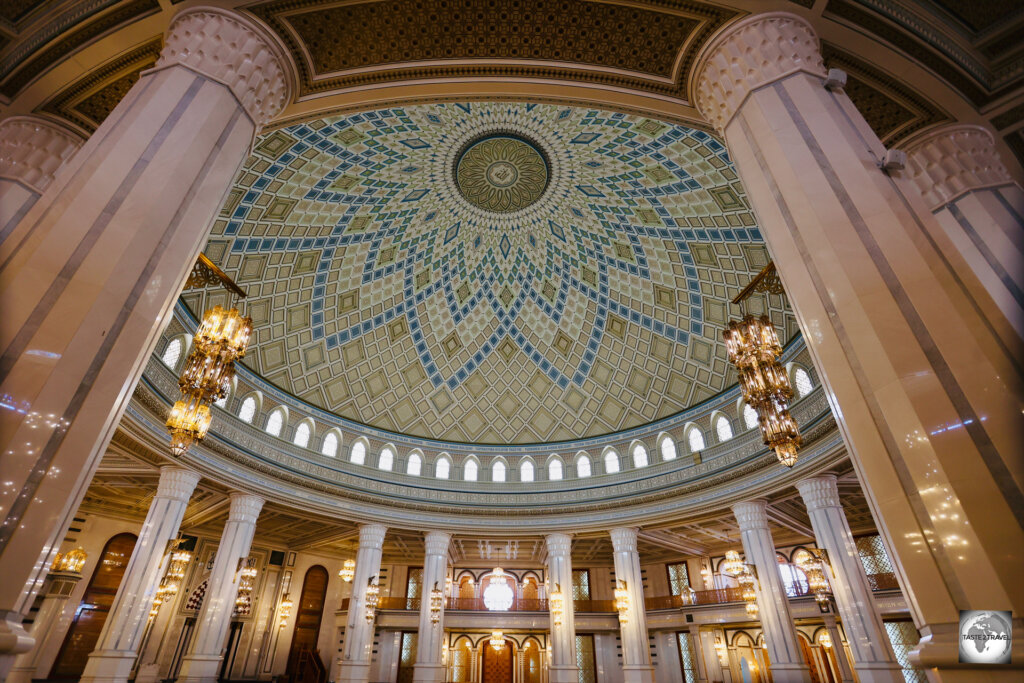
33,148
953,159
757,50
233,50
819,492
751,514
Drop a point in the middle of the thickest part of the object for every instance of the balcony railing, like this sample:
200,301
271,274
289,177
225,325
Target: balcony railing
477,605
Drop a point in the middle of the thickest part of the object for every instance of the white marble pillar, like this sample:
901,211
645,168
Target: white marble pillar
562,667
45,628
965,184
873,658
202,664
117,647
636,649
89,276
839,649
922,368
358,647
32,150
787,661
697,651
429,667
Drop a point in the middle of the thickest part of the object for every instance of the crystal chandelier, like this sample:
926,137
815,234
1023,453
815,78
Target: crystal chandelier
188,423
557,604
746,581
733,564
246,581
348,571
813,562
173,576
754,348
284,612
498,641
825,640
70,562
224,334
498,595
372,599
622,601
436,603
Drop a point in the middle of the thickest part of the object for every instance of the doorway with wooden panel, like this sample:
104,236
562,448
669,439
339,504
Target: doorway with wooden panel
309,615
497,664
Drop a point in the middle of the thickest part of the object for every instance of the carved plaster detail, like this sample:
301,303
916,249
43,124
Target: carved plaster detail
624,539
371,535
559,545
233,50
32,149
245,507
750,53
819,492
751,514
177,483
435,542
953,159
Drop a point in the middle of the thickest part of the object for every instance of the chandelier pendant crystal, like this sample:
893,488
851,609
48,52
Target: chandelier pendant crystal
813,563
173,576
284,611
436,603
557,605
372,599
348,571
754,349
622,601
498,641
246,582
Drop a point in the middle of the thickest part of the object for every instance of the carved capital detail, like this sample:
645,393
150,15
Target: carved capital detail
559,545
177,483
819,492
372,535
624,539
234,50
436,542
750,53
752,514
33,148
953,159
245,507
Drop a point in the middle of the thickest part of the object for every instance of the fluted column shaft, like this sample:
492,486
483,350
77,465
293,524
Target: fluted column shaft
117,647
358,647
89,276
562,668
968,189
45,627
202,663
873,658
429,667
921,365
787,661
636,649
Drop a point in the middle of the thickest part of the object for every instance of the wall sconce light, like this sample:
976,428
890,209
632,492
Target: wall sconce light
721,650
284,611
70,562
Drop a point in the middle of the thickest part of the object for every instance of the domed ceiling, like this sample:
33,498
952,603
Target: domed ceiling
490,272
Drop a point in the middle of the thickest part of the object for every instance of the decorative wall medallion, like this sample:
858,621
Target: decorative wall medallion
501,173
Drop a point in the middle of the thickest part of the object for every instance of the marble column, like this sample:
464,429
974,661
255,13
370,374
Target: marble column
202,664
839,649
89,276
46,627
117,647
922,368
697,650
429,667
873,658
636,650
787,661
358,647
959,174
32,150
562,667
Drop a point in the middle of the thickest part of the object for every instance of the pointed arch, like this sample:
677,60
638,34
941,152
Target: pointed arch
694,438
470,468
800,379
667,447
610,458
499,470
250,406
357,454
442,466
414,463
638,452
304,433
176,350
276,421
386,458
583,465
526,469
722,426
332,441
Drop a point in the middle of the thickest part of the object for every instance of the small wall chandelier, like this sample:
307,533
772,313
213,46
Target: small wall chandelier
622,601
372,599
721,650
825,640
70,562
813,561
556,603
284,611
498,641
348,571
746,580
246,582
170,584
754,348
436,603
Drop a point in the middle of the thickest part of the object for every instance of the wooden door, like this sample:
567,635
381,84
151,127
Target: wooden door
497,664
310,613
92,611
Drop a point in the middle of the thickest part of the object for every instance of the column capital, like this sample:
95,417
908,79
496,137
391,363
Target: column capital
559,544
624,539
177,483
819,492
233,49
245,507
751,514
436,542
372,535
32,148
753,52
952,159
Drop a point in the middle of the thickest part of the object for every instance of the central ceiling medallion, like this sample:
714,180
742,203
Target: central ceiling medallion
501,172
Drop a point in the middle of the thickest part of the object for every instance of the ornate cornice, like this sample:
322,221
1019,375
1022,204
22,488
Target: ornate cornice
753,52
32,149
245,507
231,49
751,514
177,483
951,160
819,492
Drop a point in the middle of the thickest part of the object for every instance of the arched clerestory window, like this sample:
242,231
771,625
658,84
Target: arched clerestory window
639,455
442,468
387,459
414,465
722,428
275,423
248,410
611,462
330,445
526,471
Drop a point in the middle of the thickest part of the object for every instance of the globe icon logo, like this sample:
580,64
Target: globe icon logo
985,637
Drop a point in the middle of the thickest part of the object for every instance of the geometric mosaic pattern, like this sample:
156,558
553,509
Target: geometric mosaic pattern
380,293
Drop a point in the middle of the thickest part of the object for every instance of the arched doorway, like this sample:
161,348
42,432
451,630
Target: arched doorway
310,613
92,611
497,666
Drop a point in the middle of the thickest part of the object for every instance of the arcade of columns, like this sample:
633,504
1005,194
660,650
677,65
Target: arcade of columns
932,341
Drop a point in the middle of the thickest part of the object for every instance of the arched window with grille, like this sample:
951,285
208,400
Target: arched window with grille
275,423
802,382
414,465
722,428
668,448
639,455
498,471
330,445
172,354
526,471
555,469
387,459
358,454
442,467
302,433
248,410
611,462
583,466
749,416
695,439
470,469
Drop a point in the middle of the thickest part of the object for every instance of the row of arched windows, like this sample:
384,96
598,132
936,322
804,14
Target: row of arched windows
443,465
